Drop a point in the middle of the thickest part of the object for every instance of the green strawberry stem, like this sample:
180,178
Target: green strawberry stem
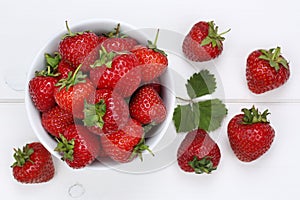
65,147
213,36
139,149
252,116
186,100
22,156
203,165
93,114
70,33
153,45
72,79
273,56
116,33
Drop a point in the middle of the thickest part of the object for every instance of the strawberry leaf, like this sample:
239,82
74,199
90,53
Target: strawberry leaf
207,115
212,113
185,118
201,84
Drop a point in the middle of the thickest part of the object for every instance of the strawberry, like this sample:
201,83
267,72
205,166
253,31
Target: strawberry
56,120
78,146
106,111
64,68
146,106
41,90
152,60
250,134
125,144
42,86
79,48
198,153
266,70
72,92
203,42
33,164
116,41
117,71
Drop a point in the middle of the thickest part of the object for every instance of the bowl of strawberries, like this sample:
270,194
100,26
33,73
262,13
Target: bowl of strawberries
98,95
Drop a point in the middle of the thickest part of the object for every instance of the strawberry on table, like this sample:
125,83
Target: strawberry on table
203,42
198,153
117,71
105,111
78,146
70,93
152,60
146,106
33,164
250,134
79,48
125,144
56,120
266,70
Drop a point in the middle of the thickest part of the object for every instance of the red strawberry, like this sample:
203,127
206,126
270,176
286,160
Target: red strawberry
33,164
146,106
42,86
266,70
125,144
78,146
72,92
116,41
198,153
56,120
203,42
64,68
119,72
250,134
106,111
152,60
41,90
79,48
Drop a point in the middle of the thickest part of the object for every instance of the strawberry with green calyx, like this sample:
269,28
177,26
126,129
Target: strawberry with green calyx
198,153
42,86
250,134
266,70
117,41
78,146
70,93
79,48
119,72
152,60
125,144
105,111
203,42
33,164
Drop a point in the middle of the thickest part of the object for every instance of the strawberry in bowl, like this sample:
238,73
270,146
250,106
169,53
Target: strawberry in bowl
79,91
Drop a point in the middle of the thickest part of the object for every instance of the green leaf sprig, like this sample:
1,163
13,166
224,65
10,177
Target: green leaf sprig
205,114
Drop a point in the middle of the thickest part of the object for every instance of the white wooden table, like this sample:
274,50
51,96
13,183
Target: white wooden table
27,25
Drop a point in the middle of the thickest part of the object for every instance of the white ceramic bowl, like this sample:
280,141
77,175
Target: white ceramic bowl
97,26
